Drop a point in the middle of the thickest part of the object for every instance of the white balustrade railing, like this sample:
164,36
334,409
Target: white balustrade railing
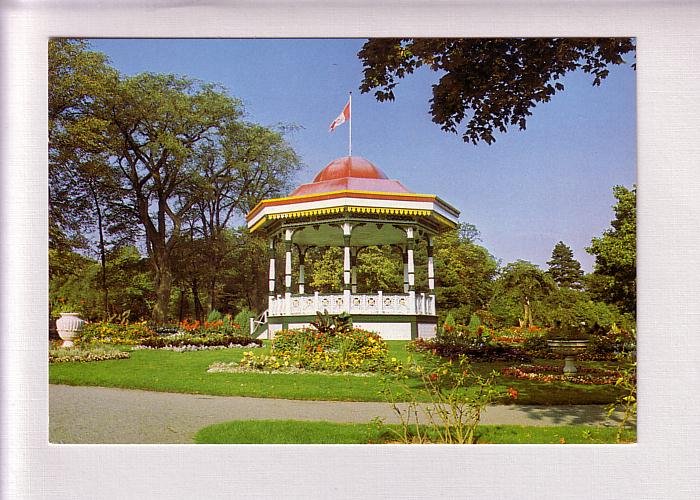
358,303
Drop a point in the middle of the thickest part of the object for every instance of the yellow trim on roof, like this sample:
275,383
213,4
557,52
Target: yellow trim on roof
364,210
349,192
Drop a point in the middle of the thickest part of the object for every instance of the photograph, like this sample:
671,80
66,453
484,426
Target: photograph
332,241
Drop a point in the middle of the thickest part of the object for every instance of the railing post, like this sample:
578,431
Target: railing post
380,302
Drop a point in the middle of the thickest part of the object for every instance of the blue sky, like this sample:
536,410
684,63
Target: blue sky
527,191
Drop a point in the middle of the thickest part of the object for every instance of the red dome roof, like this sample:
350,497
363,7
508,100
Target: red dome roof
349,166
350,173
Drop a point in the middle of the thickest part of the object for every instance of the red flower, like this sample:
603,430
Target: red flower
512,393
433,377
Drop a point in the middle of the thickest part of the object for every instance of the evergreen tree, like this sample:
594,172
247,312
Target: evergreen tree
564,269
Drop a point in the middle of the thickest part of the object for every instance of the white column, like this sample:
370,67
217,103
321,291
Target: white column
271,276
353,269
431,270
302,277
347,229
409,257
431,278
288,269
404,256
411,271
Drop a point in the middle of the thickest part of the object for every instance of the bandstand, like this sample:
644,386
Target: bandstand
352,204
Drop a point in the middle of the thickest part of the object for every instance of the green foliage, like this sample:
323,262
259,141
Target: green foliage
564,269
453,413
332,324
156,151
379,269
214,315
515,74
327,272
74,282
627,381
243,320
614,275
464,272
528,284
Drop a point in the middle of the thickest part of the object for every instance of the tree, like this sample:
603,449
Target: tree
614,276
249,164
327,271
564,269
528,283
464,272
76,77
491,83
377,270
156,126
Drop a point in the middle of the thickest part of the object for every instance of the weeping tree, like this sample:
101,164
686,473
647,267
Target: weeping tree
527,283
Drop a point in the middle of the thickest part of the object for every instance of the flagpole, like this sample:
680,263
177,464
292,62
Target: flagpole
350,128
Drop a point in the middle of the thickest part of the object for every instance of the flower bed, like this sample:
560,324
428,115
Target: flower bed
354,350
474,348
552,373
113,333
238,368
186,337
194,341
84,355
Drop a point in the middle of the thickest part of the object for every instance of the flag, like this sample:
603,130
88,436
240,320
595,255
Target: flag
342,117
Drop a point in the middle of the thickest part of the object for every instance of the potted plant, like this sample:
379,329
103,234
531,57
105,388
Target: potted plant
68,324
569,341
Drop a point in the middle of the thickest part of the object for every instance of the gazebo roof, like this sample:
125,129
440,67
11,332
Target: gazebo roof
352,173
352,184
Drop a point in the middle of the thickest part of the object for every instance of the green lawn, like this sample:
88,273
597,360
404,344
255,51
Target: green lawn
168,371
302,432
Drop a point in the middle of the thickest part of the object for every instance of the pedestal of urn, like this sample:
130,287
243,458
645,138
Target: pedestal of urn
67,325
569,348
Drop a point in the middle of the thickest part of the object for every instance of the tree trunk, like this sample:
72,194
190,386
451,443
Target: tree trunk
527,313
164,279
103,256
182,305
212,294
198,309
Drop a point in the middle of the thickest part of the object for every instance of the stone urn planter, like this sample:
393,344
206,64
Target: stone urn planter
569,348
67,325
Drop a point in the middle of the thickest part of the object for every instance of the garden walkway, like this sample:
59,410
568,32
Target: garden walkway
107,415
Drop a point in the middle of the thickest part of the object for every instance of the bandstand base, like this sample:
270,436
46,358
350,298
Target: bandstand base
389,327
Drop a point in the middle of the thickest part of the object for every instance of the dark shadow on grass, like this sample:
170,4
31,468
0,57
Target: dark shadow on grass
572,415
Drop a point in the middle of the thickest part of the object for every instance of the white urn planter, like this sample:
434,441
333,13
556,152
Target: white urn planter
67,325
569,348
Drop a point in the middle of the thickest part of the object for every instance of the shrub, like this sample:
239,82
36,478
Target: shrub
242,319
473,348
458,395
